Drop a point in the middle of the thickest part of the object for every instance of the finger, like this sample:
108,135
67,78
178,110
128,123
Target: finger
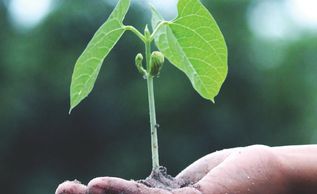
296,149
186,190
197,170
105,185
252,170
71,187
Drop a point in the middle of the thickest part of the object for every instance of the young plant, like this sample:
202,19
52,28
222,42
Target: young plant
192,42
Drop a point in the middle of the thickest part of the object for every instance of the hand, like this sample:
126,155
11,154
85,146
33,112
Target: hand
250,170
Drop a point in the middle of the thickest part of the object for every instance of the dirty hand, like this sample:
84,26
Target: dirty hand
249,170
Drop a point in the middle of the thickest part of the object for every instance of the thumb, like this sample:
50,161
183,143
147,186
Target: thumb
199,169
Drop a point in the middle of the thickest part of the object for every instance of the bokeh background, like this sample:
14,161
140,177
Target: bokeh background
269,97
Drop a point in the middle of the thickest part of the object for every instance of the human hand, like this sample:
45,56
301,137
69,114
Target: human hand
250,170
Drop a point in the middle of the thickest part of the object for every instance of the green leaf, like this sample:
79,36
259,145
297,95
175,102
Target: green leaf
89,63
194,43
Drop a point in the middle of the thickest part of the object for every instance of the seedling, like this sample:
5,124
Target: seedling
192,42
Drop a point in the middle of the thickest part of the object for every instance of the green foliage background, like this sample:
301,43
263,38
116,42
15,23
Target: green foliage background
41,145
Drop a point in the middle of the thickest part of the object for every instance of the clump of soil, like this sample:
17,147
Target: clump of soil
160,179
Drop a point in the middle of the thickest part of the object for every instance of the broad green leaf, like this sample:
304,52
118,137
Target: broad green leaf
89,63
194,43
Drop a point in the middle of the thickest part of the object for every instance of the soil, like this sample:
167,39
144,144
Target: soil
160,179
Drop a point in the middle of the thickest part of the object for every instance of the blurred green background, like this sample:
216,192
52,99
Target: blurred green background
269,97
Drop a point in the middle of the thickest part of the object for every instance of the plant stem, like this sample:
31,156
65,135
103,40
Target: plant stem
154,141
153,124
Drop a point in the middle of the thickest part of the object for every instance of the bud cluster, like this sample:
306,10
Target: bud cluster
156,64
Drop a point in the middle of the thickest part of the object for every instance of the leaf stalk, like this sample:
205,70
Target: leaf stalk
136,32
161,24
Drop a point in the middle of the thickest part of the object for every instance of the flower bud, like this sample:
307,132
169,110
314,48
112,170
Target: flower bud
157,61
138,63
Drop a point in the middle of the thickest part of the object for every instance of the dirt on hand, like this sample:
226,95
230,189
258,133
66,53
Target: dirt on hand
160,179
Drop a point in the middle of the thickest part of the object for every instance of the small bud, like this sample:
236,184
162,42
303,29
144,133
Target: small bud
157,61
138,63
147,32
139,59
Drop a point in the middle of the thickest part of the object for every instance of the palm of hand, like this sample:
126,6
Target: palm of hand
251,170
